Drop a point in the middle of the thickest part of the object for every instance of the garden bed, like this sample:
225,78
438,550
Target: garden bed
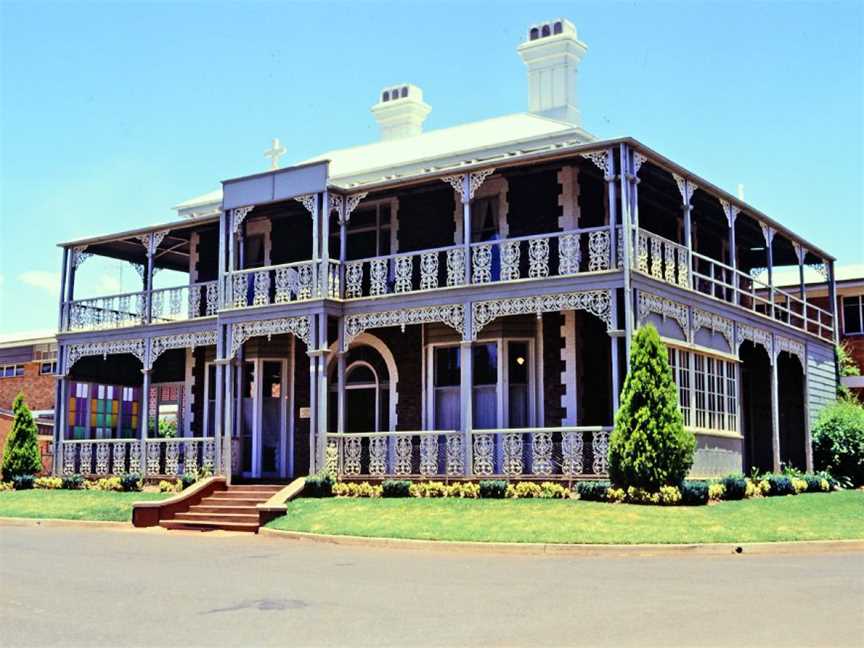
809,516
73,504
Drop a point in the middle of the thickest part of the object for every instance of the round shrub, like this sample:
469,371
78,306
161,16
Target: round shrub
838,442
780,485
694,493
649,447
320,485
73,482
734,487
23,482
188,479
396,488
130,482
493,489
592,491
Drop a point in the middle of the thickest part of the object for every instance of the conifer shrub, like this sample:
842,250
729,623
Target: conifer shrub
21,454
649,447
396,488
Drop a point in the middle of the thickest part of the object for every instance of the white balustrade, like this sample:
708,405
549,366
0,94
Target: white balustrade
162,457
279,284
554,453
112,311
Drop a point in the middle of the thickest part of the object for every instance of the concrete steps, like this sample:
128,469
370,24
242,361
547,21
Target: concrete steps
233,509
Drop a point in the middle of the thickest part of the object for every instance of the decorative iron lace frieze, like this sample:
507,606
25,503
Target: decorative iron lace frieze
793,347
717,323
453,315
297,326
756,335
75,352
602,160
597,302
650,303
162,343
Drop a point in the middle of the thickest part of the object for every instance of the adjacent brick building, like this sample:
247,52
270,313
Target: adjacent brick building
27,365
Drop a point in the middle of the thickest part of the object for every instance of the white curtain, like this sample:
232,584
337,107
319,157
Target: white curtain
485,407
447,408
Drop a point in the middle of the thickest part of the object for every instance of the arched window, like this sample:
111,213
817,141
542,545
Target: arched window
385,96
545,31
534,34
404,91
556,29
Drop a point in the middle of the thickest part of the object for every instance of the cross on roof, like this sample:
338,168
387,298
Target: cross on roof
274,153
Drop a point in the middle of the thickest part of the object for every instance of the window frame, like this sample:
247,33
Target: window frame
860,299
503,382
710,399
17,370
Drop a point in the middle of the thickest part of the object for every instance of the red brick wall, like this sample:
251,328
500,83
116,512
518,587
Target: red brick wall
38,390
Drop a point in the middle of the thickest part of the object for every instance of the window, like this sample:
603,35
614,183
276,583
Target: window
853,315
517,379
48,368
367,234
446,371
484,219
707,390
11,371
502,380
485,403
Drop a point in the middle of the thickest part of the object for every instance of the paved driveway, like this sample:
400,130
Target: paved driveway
87,587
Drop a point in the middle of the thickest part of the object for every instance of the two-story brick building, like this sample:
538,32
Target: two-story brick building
452,303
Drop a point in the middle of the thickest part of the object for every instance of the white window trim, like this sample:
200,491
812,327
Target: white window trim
503,385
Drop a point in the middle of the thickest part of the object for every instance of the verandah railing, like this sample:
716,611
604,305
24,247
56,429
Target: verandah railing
524,257
552,453
279,284
671,263
130,309
150,458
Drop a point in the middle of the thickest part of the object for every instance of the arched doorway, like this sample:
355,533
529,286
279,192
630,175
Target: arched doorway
368,392
793,442
756,407
362,394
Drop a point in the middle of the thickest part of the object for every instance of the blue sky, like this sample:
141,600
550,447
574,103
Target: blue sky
110,113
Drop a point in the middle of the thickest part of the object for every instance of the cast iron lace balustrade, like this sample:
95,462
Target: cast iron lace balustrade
162,457
278,284
554,453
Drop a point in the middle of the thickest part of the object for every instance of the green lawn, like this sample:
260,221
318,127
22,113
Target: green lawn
815,516
72,504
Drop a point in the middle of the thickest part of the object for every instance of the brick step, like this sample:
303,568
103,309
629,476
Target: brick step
250,518
197,525
208,508
226,501
270,488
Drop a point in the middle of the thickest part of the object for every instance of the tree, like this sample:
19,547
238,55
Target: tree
21,455
649,447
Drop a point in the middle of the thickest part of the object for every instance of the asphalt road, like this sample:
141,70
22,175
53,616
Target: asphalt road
88,587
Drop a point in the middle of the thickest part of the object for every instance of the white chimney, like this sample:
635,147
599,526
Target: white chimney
552,54
401,111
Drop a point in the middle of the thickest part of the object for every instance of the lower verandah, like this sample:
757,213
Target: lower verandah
541,406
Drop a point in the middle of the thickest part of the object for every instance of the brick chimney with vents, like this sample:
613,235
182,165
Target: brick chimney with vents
400,111
552,53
